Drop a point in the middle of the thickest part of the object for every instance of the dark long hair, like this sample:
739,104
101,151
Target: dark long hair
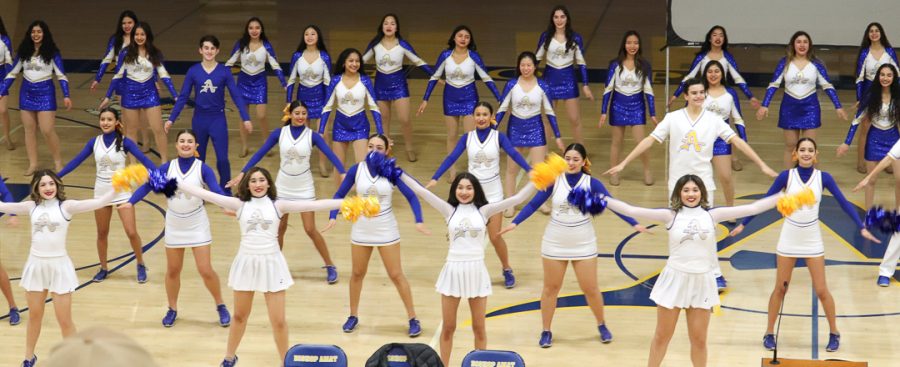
48,48
119,35
711,63
118,126
797,148
866,42
245,39
451,43
640,64
707,44
873,102
578,147
485,105
380,33
675,202
36,182
342,58
791,53
296,103
243,190
320,41
384,139
479,199
551,29
133,51
522,56
2,28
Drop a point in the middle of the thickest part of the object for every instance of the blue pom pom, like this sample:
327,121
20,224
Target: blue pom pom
161,184
887,221
586,201
384,166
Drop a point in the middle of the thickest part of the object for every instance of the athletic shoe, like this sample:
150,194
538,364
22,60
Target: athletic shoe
605,335
769,342
884,281
169,320
14,318
351,324
414,328
332,273
101,275
721,284
30,362
509,280
834,342
224,316
141,273
546,339
227,363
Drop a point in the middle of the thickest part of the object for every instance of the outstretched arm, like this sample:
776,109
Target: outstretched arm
642,147
286,206
662,215
80,206
226,202
436,202
732,212
523,194
75,162
741,145
21,208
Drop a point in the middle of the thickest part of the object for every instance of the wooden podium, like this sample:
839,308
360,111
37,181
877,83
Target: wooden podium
766,362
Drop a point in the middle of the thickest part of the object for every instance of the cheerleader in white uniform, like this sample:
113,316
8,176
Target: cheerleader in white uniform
874,50
483,147
5,64
254,52
259,265
881,111
723,102
49,268
464,275
187,226
688,280
379,232
310,66
801,237
569,237
110,150
692,133
295,181
892,253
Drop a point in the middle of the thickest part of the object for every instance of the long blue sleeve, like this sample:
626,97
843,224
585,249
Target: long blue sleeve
777,79
850,133
597,186
144,189
533,205
237,98
779,184
106,60
209,178
850,209
512,152
270,142
183,97
346,185
132,148
79,159
5,195
290,86
452,157
413,200
320,143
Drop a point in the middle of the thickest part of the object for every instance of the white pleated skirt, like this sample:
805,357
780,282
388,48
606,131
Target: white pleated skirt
679,289
562,242
295,187
187,230
800,240
464,279
380,230
102,187
493,190
55,274
259,272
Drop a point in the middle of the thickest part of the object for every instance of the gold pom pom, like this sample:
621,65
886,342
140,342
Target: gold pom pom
129,177
287,113
354,207
545,173
788,204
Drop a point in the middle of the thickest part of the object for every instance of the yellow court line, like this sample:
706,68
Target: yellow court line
844,242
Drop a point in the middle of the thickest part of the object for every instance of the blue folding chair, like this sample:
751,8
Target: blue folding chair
503,358
315,355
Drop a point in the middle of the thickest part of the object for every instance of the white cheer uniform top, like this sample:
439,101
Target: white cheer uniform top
141,70
562,212
881,121
391,61
871,65
253,62
525,105
557,55
259,220
484,158
35,70
108,159
48,229
692,241
466,229
182,202
691,144
723,107
310,74
628,82
462,74
351,101
805,216
295,152
366,185
801,83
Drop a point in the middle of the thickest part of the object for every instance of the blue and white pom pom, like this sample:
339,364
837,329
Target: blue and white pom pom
587,202
162,184
384,166
887,221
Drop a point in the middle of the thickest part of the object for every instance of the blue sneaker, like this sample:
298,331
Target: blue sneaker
769,342
227,363
14,318
834,342
224,316
332,273
605,335
353,321
721,284
415,329
30,362
101,275
141,273
884,281
509,280
546,339
169,320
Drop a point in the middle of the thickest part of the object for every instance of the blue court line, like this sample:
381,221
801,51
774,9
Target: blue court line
815,324
132,257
